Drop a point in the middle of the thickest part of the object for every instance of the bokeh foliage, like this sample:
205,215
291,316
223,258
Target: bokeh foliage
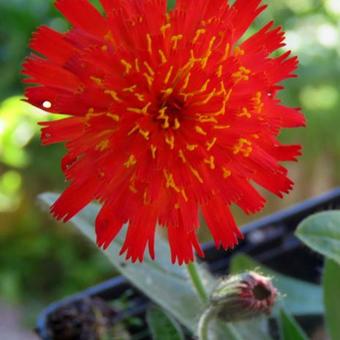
41,260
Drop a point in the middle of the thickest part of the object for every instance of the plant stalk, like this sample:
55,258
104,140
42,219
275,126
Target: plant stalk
203,325
197,282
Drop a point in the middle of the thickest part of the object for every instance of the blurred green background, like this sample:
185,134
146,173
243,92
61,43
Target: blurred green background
41,260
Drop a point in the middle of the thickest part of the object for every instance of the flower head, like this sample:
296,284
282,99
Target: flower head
169,114
243,296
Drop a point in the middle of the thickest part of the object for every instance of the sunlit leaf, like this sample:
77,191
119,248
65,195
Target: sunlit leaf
164,283
18,124
10,185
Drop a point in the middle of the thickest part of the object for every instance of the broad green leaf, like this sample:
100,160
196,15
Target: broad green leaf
290,329
164,283
321,232
162,325
253,329
299,297
331,291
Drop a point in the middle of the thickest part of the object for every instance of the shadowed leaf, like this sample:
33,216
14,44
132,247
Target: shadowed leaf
321,232
331,279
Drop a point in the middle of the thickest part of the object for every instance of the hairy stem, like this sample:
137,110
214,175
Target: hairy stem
203,325
197,282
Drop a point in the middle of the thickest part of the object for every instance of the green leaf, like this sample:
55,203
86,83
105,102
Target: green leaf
321,232
162,325
331,289
164,283
299,297
253,329
290,329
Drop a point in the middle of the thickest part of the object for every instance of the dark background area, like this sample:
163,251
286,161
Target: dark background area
40,260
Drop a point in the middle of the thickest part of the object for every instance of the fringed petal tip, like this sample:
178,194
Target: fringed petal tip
59,214
134,252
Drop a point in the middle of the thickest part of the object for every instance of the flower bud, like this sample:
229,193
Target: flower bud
243,296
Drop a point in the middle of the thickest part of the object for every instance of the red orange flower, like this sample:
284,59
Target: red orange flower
170,114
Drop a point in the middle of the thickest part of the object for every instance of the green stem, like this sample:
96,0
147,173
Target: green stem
228,329
197,282
203,324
